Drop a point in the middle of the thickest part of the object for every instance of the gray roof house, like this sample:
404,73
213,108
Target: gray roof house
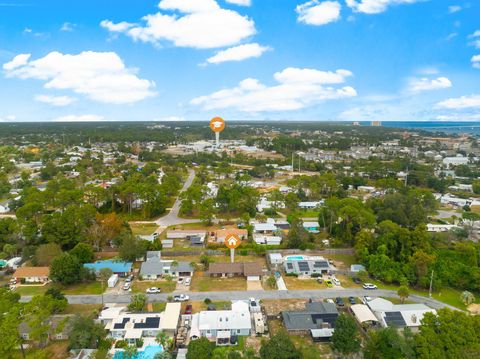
154,267
304,265
315,319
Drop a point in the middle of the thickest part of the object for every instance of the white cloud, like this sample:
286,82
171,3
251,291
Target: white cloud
67,27
238,53
79,118
101,76
454,8
318,13
459,117
476,39
375,6
427,84
8,118
296,89
119,27
171,119
55,100
17,61
204,24
476,61
464,102
240,2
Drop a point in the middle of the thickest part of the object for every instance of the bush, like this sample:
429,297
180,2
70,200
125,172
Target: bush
207,301
316,275
121,344
291,275
139,343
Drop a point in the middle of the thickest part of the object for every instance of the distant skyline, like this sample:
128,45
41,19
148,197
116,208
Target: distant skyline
259,60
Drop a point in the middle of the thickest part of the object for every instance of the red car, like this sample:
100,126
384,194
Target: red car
188,309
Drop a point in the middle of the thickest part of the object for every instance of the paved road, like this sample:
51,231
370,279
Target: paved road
239,295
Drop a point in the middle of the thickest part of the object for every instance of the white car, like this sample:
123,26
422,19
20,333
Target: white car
181,298
369,286
336,281
188,281
127,287
180,280
330,301
153,290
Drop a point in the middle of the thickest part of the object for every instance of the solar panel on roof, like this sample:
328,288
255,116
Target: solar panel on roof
394,319
321,264
149,323
303,266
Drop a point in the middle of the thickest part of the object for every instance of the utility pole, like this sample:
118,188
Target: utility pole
299,160
431,282
293,169
406,178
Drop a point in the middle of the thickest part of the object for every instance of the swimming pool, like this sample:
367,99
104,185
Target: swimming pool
149,352
294,258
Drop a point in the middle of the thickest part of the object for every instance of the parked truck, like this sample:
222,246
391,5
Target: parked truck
112,281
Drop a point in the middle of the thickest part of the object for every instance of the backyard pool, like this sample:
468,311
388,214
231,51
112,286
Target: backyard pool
148,353
294,258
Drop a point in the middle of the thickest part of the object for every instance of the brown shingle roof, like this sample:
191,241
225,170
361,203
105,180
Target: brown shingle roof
246,269
24,272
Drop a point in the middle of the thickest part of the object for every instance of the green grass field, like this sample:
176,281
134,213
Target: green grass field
143,229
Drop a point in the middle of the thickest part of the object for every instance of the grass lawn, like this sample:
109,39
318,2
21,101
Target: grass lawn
159,306
32,289
198,306
82,308
167,286
83,288
475,209
347,282
446,295
54,350
201,283
143,229
293,283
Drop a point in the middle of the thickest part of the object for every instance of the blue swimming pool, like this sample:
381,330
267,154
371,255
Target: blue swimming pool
149,352
294,258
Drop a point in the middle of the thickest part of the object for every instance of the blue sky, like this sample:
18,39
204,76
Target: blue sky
345,60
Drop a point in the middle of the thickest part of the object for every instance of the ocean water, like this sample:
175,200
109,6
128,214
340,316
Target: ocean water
472,127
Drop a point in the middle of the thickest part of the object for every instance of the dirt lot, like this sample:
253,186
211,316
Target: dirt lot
274,307
165,285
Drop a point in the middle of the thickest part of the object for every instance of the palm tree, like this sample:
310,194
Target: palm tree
164,340
130,352
467,298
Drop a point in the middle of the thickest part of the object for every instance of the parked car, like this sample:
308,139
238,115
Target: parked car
329,283
188,281
180,280
127,286
356,280
188,309
369,286
339,302
181,298
336,281
129,279
352,300
330,301
320,280
153,290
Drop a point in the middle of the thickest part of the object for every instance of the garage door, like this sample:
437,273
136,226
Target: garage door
253,277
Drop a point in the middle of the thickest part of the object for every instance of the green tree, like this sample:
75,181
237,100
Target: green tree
131,248
165,341
467,298
345,339
137,302
297,237
46,253
205,260
200,349
85,333
129,352
387,343
279,346
448,334
83,252
66,269
403,292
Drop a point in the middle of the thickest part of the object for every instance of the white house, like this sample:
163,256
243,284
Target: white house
310,205
221,325
398,315
456,161
441,227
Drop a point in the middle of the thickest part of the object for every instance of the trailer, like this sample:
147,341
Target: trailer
112,281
